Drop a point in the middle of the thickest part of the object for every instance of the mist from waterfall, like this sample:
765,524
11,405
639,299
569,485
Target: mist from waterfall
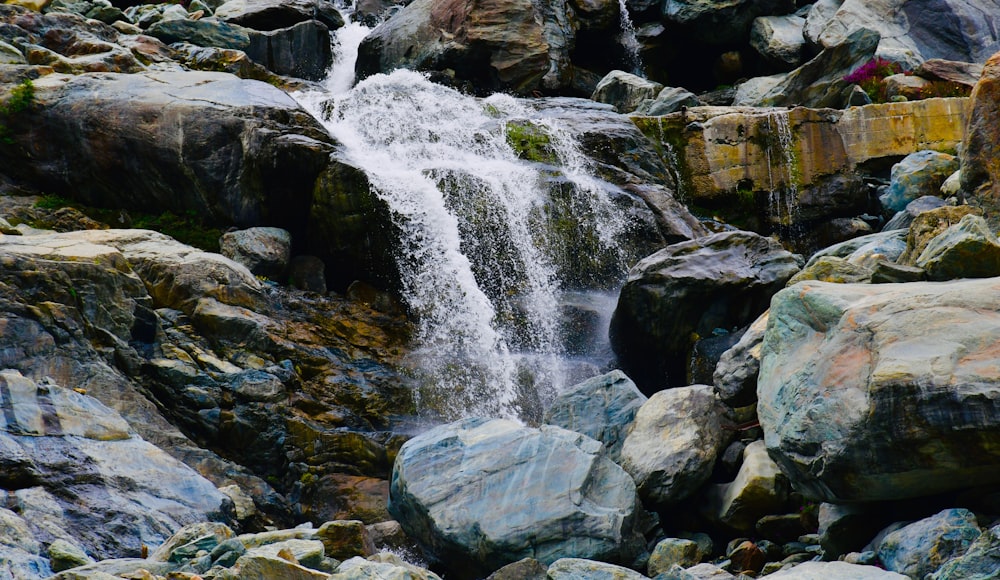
482,251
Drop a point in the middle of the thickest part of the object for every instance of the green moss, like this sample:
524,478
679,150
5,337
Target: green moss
530,142
21,98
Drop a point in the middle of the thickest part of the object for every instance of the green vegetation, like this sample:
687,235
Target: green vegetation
871,78
21,98
530,142
189,228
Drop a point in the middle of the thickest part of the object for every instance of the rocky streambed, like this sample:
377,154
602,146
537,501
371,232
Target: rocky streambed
774,342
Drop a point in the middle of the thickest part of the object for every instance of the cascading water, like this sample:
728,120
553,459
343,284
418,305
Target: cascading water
629,40
783,196
481,248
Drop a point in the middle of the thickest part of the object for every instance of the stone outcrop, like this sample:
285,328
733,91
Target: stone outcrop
887,387
980,177
686,291
483,493
730,160
625,91
920,548
917,175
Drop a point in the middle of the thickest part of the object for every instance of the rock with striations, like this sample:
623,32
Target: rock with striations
601,408
302,50
201,33
481,493
928,225
962,73
581,569
981,560
889,245
917,175
920,548
980,176
779,40
276,14
74,465
820,82
687,290
673,444
876,392
968,249
625,91
961,30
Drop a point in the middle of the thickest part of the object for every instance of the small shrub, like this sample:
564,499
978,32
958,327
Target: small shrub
21,98
871,77
945,89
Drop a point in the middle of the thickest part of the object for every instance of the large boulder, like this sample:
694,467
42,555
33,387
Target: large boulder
674,441
625,91
968,249
601,408
720,22
920,548
686,291
481,493
758,490
882,392
72,465
275,14
825,570
302,50
917,175
961,30
980,178
981,560
778,39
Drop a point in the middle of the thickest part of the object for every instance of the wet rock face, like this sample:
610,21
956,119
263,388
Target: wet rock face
980,176
483,493
846,384
687,290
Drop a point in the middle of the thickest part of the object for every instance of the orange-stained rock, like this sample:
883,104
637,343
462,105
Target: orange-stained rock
981,154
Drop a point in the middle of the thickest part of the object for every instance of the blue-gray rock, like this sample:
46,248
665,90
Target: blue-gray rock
875,392
917,175
625,91
758,490
903,219
980,562
889,244
922,547
735,376
383,566
968,249
675,438
686,291
720,23
201,33
482,493
779,40
671,552
601,408
275,14
581,569
301,50
668,100
837,570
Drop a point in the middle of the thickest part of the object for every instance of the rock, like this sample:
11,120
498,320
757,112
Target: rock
544,512
952,187
833,269
526,569
839,570
301,50
820,82
981,560
667,101
264,251
779,40
524,46
187,541
345,539
339,496
892,273
928,225
384,566
720,24
11,55
263,567
920,548
845,528
271,15
580,569
746,558
967,249
759,489
672,552
980,178
224,60
917,175
904,218
963,73
601,408
63,555
705,571
308,553
735,377
201,33
735,162
959,30
916,441
909,87
687,290
21,551
232,151
753,90
307,273
674,441
860,250
625,91
56,443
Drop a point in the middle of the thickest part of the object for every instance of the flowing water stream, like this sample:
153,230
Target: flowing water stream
483,249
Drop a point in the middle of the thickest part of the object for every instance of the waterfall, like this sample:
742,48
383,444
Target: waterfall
778,148
483,254
629,40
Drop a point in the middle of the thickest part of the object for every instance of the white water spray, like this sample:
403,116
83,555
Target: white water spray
783,195
629,40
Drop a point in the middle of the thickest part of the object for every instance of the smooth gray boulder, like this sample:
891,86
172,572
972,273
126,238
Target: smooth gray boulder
758,490
481,493
735,376
275,14
875,392
668,100
920,548
838,570
264,251
968,249
917,175
721,23
581,569
302,50
602,408
904,218
625,91
384,565
779,40
673,444
687,290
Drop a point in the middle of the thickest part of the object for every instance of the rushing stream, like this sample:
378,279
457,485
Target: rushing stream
484,247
